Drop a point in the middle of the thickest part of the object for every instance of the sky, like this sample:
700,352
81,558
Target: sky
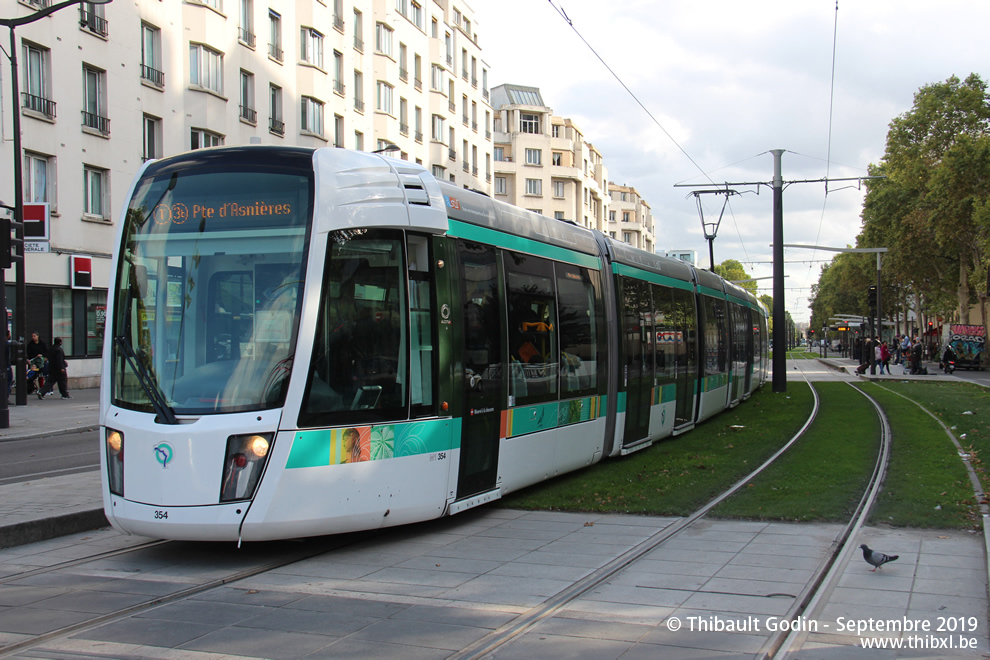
725,82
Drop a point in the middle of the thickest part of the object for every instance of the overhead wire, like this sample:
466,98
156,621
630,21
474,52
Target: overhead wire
828,150
615,75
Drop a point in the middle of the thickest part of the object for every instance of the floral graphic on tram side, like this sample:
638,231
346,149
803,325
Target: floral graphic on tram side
382,442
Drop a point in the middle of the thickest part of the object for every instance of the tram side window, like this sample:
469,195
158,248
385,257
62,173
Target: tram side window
666,333
684,323
716,336
532,318
421,356
740,331
581,329
358,370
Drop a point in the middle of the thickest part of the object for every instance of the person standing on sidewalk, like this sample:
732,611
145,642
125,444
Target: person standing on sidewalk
57,371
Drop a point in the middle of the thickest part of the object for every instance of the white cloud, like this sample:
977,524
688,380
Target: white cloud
729,81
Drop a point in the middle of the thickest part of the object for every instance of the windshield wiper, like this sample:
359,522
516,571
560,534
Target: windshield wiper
148,384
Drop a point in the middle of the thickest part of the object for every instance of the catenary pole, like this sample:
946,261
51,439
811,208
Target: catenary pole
779,323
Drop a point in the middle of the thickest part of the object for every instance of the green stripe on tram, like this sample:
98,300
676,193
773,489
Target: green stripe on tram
519,244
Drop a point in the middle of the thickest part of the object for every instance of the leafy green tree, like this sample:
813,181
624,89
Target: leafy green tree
929,206
732,270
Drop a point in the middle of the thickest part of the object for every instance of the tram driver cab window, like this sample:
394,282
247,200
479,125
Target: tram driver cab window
359,364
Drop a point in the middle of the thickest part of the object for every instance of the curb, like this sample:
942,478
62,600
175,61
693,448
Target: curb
32,531
48,433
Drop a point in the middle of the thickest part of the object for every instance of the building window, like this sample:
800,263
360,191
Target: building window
37,80
95,100
359,91
534,186
245,33
437,78
311,116
500,185
383,39
359,140
403,116
558,215
555,130
95,197
417,15
439,131
152,137
558,189
611,216
248,112
39,179
202,139
93,18
275,36
311,47
384,98
338,15
275,123
499,153
403,62
438,172
529,123
206,68
338,73
534,156
358,31
625,216
338,131
557,158
449,42
418,117
151,55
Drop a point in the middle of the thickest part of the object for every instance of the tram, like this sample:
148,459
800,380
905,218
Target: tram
306,342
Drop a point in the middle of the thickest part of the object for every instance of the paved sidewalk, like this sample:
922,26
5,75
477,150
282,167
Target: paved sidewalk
53,415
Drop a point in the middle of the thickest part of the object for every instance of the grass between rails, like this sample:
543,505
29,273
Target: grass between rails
822,477
677,475
926,483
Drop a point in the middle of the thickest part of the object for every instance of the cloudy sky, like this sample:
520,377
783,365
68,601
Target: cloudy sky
729,81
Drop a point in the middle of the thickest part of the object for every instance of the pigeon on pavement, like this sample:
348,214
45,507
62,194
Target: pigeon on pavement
876,559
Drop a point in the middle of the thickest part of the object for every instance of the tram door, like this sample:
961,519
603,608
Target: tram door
637,328
482,355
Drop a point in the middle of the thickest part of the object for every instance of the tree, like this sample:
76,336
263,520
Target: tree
732,270
936,163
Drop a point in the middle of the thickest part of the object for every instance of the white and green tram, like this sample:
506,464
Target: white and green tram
304,342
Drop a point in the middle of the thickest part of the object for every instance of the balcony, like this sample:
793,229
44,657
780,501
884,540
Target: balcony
466,166
474,82
38,104
338,23
474,126
359,105
403,129
419,136
90,21
452,154
418,84
403,74
485,94
464,120
451,107
474,171
154,76
249,115
275,52
91,120
338,87
276,126
246,37
40,4
359,44
488,134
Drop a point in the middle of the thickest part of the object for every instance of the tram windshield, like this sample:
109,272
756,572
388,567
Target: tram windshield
209,288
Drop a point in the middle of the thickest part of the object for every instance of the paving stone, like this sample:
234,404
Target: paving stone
551,647
151,632
260,643
428,634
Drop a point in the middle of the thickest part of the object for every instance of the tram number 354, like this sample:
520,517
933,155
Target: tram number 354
439,456
161,515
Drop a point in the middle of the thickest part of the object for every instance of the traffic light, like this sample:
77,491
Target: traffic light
811,334
5,243
871,295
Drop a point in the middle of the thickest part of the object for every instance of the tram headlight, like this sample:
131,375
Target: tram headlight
244,461
115,461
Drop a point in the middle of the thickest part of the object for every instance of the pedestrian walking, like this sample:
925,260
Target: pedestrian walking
57,371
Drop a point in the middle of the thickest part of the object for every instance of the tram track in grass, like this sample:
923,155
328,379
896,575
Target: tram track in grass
805,601
821,581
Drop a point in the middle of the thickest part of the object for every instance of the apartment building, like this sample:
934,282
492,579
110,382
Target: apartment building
688,256
542,161
104,88
630,219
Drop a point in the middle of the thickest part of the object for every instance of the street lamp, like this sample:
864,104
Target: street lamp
18,219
